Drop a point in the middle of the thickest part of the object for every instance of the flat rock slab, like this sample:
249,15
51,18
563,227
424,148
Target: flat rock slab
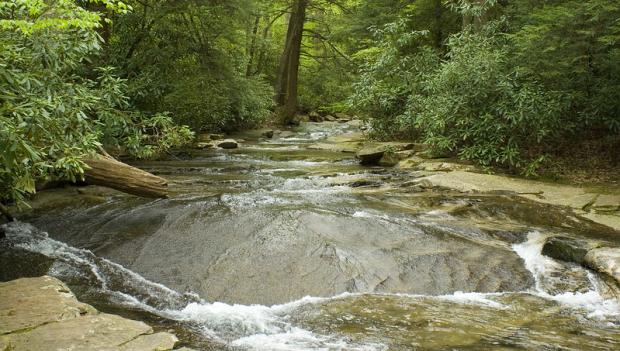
30,302
93,332
157,341
41,314
554,194
341,147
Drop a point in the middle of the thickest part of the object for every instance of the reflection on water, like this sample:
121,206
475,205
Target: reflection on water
248,231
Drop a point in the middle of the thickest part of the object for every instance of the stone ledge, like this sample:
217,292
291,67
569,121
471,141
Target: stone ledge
42,314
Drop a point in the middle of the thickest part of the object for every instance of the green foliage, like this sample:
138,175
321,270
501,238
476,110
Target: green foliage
52,115
505,93
477,105
188,58
391,73
574,47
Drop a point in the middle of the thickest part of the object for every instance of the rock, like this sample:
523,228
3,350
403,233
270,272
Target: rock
607,203
228,144
268,134
342,147
302,118
285,134
330,118
342,116
554,194
356,123
217,136
207,137
568,249
93,332
30,302
41,314
610,220
432,155
605,260
371,155
410,162
157,341
205,146
365,183
444,167
315,117
389,159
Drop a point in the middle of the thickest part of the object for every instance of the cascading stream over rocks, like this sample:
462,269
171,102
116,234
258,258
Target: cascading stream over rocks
288,243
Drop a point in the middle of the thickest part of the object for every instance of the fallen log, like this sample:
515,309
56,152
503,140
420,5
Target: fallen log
108,172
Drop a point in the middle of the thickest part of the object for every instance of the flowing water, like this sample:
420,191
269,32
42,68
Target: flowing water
279,246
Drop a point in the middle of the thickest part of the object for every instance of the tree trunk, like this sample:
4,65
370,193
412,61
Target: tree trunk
252,48
289,64
108,172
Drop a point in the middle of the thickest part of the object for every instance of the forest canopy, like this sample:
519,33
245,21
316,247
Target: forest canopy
504,84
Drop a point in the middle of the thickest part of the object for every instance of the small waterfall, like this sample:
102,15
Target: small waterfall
84,268
550,277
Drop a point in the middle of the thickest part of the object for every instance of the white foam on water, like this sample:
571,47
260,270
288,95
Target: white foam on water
366,214
595,305
259,327
300,340
474,298
535,262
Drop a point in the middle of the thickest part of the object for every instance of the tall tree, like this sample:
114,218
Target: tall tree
286,92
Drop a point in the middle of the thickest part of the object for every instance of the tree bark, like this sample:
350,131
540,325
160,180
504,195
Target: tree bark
252,48
289,64
108,172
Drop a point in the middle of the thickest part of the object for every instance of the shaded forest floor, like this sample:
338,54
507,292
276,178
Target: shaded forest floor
592,161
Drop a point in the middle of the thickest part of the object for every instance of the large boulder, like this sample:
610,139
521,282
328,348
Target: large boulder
228,144
568,249
371,155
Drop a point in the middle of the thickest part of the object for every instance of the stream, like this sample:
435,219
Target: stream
279,245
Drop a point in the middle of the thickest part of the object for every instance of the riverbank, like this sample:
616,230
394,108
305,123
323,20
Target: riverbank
42,314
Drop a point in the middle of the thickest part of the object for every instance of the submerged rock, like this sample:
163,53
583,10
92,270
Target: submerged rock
228,144
42,314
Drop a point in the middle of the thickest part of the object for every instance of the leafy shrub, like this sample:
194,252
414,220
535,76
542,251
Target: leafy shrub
52,116
476,105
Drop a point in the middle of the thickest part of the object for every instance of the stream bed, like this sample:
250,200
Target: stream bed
280,246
